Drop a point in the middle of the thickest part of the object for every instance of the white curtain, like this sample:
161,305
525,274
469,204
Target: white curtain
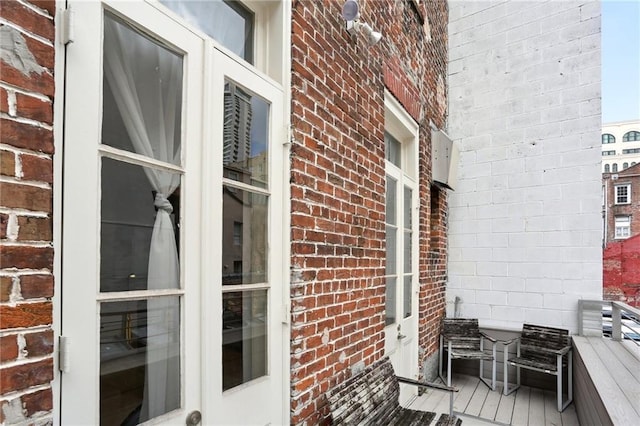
146,82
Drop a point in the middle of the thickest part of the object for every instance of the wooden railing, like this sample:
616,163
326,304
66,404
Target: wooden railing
625,319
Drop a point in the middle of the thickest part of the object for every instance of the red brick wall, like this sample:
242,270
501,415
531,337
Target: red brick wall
338,184
621,271
26,258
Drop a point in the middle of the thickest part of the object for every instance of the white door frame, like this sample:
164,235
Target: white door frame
82,198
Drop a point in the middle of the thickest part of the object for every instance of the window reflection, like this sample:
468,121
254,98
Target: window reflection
244,241
244,337
228,22
139,360
128,218
246,135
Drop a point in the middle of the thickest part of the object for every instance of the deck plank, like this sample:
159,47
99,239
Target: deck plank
536,407
490,407
551,414
620,412
505,408
468,386
569,416
521,407
477,401
507,411
627,383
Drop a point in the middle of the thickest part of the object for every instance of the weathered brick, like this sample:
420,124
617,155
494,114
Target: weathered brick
8,348
24,376
25,197
38,402
34,228
36,168
22,135
34,108
7,163
4,221
4,101
6,287
48,5
26,257
39,344
36,286
25,315
29,20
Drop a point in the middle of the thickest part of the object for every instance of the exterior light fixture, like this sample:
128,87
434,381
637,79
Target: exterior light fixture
351,14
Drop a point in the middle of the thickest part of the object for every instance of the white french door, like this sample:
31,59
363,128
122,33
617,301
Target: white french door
401,229
172,288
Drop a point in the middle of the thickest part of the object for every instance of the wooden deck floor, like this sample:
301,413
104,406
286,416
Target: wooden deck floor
477,405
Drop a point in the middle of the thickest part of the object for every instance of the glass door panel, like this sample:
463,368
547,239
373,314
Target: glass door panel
140,233
130,266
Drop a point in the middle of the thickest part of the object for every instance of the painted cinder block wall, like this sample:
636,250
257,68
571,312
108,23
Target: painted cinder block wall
525,221
338,185
26,201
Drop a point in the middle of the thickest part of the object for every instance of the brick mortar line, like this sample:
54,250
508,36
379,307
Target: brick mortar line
23,120
36,9
22,91
26,331
19,394
33,183
17,150
25,32
22,213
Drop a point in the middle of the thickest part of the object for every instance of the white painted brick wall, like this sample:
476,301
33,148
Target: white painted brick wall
524,107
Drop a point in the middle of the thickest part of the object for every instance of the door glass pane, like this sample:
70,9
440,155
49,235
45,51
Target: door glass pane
244,337
246,136
391,252
392,149
228,22
139,359
129,217
391,200
390,301
142,102
244,239
407,296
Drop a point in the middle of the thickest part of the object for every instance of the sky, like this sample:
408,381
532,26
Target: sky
620,60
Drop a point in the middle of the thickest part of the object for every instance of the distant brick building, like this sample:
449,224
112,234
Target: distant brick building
621,217
621,264
621,209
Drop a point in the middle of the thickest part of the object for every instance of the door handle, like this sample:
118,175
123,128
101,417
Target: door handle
400,335
193,418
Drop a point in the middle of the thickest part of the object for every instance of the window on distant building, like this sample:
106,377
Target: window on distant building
605,153
631,136
614,167
633,163
607,168
607,138
623,193
623,227
625,165
631,151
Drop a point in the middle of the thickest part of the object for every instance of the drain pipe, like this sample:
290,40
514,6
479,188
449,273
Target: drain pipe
456,307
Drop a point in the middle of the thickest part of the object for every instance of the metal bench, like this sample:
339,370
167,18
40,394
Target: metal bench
542,349
371,397
461,338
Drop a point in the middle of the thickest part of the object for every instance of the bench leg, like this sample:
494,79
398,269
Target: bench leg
505,370
565,404
491,384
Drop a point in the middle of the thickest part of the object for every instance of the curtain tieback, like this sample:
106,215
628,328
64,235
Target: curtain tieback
162,203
